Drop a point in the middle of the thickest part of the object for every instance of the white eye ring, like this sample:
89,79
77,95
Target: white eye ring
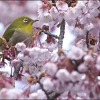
25,20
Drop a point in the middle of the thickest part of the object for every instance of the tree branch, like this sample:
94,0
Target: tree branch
38,81
87,40
62,31
16,71
69,3
48,33
47,94
55,96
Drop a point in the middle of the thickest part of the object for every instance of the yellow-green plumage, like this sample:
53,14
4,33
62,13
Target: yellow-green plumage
19,30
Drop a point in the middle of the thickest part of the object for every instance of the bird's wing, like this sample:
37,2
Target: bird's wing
8,34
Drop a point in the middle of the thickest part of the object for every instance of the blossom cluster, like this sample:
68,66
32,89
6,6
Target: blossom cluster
81,18
33,58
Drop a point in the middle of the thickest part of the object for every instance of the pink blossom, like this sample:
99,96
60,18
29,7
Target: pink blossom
82,68
70,16
47,18
82,44
48,84
61,5
78,31
51,46
33,95
63,75
88,27
7,94
20,56
98,60
15,62
93,4
50,68
75,53
20,46
88,58
54,13
41,94
75,76
98,67
61,15
80,5
42,9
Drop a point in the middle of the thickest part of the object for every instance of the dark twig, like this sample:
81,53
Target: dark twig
54,4
62,31
47,94
55,96
53,1
50,92
87,40
69,3
16,71
38,81
48,33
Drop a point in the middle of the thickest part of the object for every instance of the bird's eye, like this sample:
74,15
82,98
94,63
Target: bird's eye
25,20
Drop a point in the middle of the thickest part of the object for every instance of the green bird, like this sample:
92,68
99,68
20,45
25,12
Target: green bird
19,30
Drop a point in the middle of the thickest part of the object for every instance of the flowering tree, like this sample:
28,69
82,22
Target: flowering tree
64,74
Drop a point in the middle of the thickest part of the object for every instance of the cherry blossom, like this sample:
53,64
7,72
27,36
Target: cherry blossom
60,73
20,46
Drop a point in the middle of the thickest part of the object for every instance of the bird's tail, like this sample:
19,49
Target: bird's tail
3,44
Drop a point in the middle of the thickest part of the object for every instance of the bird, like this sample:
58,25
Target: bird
19,30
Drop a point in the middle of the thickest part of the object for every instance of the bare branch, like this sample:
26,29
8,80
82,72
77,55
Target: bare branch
87,40
62,31
48,33
69,3
16,71
55,96
48,93
48,98
53,1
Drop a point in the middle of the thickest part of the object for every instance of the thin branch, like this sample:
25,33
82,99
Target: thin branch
54,4
47,94
69,3
48,98
62,31
16,71
55,96
53,1
50,92
87,40
48,33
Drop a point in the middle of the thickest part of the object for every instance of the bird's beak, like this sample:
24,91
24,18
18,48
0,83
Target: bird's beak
34,21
